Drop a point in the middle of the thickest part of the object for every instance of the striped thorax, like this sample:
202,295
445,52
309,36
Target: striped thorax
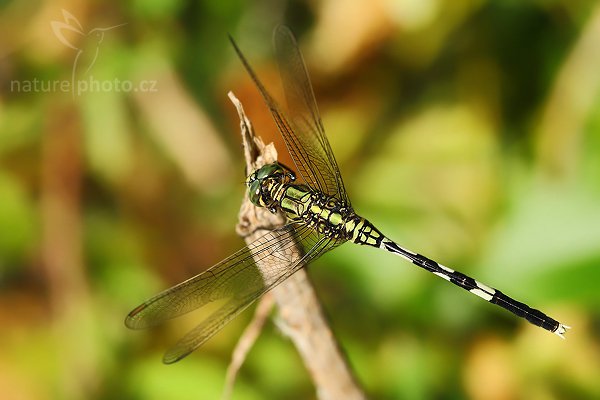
272,187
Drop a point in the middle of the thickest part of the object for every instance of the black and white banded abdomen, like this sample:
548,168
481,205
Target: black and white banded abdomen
494,296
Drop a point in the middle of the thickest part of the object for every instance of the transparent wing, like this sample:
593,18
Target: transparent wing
303,134
240,279
307,142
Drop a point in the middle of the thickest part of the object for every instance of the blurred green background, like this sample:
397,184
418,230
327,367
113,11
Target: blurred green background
468,131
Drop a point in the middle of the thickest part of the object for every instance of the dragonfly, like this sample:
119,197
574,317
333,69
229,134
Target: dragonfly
319,218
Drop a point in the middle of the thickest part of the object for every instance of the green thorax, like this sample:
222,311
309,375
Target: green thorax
273,186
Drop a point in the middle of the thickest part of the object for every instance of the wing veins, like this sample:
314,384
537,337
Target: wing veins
206,329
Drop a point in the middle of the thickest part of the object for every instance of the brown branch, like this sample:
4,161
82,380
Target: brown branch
300,314
246,341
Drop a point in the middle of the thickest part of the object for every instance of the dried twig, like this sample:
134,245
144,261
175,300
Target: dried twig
301,317
246,342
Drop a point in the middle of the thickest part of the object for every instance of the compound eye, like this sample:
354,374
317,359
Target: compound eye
254,192
250,179
266,171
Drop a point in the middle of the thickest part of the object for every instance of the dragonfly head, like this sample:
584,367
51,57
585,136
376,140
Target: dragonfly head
263,182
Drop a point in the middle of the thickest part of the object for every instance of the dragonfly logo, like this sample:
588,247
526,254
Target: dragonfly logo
87,47
85,57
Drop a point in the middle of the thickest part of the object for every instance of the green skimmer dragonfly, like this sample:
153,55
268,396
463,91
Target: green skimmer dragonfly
319,218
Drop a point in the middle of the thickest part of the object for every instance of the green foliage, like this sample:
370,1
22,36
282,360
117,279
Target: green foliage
468,131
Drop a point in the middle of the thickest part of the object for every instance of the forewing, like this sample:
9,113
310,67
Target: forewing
307,142
304,135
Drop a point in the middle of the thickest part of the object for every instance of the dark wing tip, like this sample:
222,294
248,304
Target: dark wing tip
172,358
133,319
180,351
